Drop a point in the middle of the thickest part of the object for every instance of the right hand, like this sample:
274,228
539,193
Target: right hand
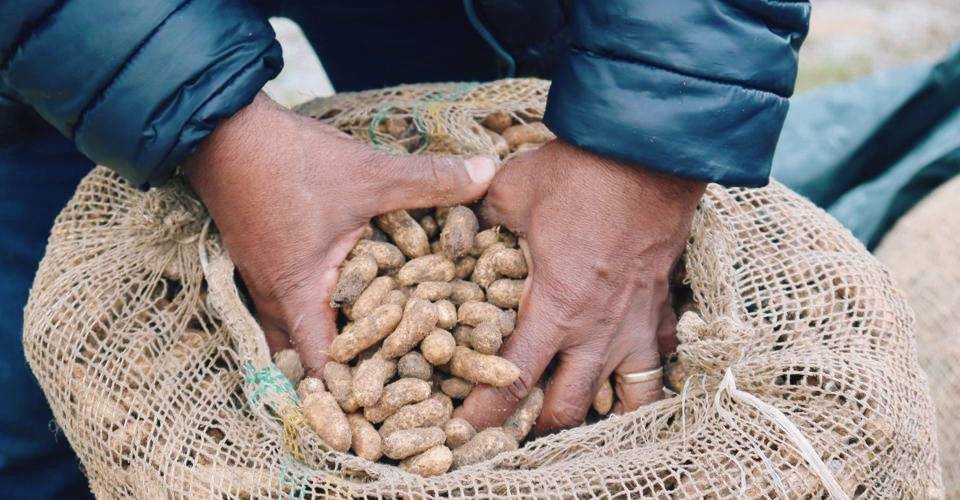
601,240
291,196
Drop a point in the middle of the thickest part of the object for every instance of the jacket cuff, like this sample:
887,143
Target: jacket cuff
665,121
155,77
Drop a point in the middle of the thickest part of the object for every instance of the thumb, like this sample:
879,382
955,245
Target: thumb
304,320
433,180
530,347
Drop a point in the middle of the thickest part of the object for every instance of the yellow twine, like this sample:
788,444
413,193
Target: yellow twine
293,422
434,123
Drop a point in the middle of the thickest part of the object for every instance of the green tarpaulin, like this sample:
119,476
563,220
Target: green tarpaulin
868,150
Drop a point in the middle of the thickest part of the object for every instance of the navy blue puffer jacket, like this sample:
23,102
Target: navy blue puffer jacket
696,88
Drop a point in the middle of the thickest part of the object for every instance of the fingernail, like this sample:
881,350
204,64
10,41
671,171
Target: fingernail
480,169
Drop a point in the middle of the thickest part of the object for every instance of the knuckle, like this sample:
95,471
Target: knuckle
518,390
570,301
288,282
574,298
370,167
566,414
440,169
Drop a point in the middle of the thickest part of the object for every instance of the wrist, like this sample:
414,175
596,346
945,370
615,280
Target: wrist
652,187
232,148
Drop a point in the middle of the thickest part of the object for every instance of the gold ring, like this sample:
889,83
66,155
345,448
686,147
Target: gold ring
639,377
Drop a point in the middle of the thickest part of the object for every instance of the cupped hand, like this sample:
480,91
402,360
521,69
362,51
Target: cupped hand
601,240
291,196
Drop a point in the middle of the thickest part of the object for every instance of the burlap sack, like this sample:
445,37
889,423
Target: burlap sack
923,253
803,374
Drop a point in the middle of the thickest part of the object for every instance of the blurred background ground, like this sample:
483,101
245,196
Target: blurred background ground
852,38
848,39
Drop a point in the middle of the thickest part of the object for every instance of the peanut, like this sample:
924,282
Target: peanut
387,256
327,420
510,262
459,230
446,402
432,462
309,385
404,443
485,272
473,313
483,368
365,332
527,133
413,365
288,361
405,232
395,297
465,291
523,418
458,432
486,338
427,268
419,319
505,293
356,274
498,121
429,225
446,314
603,401
485,445
437,348
366,441
433,290
427,413
370,378
396,395
372,297
339,380
456,388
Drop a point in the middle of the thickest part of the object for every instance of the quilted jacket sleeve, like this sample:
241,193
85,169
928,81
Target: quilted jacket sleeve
136,84
689,87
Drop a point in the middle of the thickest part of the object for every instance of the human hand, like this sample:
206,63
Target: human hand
291,197
602,238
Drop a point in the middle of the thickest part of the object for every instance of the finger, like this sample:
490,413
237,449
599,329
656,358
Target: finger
643,358
311,334
277,338
311,322
508,201
530,348
570,390
431,180
667,330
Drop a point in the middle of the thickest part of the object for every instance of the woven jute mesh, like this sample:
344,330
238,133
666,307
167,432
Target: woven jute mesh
803,379
922,253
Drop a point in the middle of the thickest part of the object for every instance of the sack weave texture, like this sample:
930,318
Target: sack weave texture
803,376
923,253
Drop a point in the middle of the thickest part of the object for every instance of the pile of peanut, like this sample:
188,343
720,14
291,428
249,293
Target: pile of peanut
424,322
426,300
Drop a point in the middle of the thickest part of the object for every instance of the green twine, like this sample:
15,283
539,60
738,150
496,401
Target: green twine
382,112
267,381
298,489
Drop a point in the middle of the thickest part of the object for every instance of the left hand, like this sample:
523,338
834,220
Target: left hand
602,238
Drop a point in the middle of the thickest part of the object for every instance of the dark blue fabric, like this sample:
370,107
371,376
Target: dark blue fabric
36,180
689,87
137,84
692,88
379,43
869,150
